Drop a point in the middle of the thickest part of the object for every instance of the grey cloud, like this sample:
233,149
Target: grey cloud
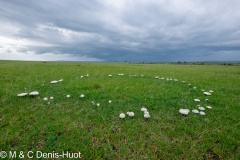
125,30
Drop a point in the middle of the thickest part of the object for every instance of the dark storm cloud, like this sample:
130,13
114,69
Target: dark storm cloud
144,30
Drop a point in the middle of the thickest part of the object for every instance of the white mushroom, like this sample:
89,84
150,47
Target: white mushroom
130,114
202,113
146,116
68,96
122,115
195,111
82,96
45,99
197,100
207,93
54,82
34,93
209,107
201,108
22,94
144,109
184,111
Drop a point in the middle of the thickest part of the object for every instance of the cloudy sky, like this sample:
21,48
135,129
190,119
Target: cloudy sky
120,30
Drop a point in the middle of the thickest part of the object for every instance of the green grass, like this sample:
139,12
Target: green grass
75,125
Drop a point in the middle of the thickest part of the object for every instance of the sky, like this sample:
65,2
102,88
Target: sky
120,30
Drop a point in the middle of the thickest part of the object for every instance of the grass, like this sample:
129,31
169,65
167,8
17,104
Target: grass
75,125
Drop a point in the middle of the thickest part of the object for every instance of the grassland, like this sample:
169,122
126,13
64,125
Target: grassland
76,125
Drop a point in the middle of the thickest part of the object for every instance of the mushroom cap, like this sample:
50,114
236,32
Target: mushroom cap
201,108
202,113
130,114
144,109
207,93
197,100
34,93
122,115
209,107
184,111
53,82
146,116
195,111
22,94
82,96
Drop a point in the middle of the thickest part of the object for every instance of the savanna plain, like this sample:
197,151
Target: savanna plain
77,124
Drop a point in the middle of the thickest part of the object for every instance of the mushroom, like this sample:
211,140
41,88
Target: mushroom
130,114
195,111
207,93
197,100
122,115
22,94
146,115
201,108
68,96
144,109
45,99
54,82
82,96
34,93
184,111
209,107
109,101
202,113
